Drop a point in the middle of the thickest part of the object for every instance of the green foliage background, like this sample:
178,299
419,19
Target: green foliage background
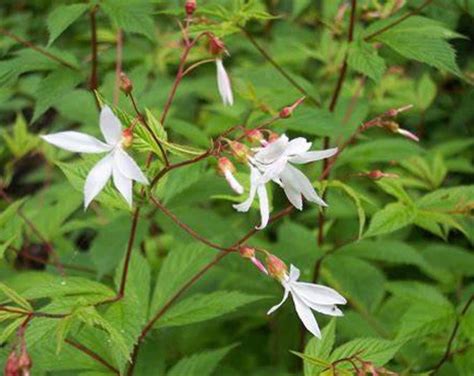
399,249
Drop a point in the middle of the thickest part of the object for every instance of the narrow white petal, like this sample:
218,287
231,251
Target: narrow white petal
294,197
110,126
330,310
254,181
272,151
273,170
123,185
223,83
319,294
128,167
298,146
264,206
299,181
275,307
97,178
306,316
76,142
233,182
294,273
311,156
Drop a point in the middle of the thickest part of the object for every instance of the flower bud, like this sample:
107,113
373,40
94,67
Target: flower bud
216,46
126,84
190,7
248,252
276,267
25,363
273,136
239,151
127,137
377,175
254,135
11,366
227,169
286,112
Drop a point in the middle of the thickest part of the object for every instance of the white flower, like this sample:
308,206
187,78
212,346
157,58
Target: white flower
223,83
307,297
116,164
275,162
257,186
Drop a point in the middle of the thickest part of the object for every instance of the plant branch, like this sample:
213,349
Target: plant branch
41,50
447,352
93,81
191,282
398,21
118,65
92,355
279,68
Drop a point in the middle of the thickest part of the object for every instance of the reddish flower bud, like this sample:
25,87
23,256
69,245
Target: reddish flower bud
11,366
126,84
190,7
239,151
273,137
127,137
286,112
276,267
224,165
216,46
254,135
247,252
395,111
25,363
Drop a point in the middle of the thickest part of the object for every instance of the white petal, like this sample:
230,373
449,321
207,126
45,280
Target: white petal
272,151
223,83
254,181
294,273
233,182
318,294
123,185
97,178
330,310
264,206
273,170
76,142
275,307
306,316
110,126
128,167
311,156
294,197
299,181
298,146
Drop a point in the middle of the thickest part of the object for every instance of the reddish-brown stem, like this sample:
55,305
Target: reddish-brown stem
38,233
93,81
191,282
195,65
398,21
118,65
92,355
142,119
447,353
42,51
188,229
279,68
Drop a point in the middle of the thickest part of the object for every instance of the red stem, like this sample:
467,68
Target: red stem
93,355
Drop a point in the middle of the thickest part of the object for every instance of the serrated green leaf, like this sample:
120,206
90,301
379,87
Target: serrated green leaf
391,218
13,296
320,348
202,307
10,329
364,58
62,17
202,364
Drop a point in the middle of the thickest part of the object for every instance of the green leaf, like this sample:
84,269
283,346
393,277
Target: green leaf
426,92
320,348
19,141
11,211
364,58
13,296
202,364
421,39
395,189
448,198
375,350
131,15
52,88
10,329
355,196
4,246
62,17
202,307
180,265
391,218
